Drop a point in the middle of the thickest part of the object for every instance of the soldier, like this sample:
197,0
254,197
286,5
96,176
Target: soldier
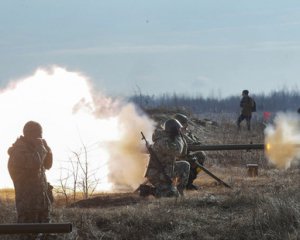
198,156
29,156
163,168
247,105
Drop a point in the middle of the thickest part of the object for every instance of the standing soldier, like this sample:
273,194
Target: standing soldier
198,156
163,169
29,156
247,105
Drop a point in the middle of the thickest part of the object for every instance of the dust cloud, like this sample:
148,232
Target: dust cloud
282,140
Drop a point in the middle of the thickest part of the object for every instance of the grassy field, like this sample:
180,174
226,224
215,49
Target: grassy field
262,207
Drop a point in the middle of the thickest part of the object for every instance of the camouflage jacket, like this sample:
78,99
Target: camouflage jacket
191,139
166,151
26,166
246,105
157,134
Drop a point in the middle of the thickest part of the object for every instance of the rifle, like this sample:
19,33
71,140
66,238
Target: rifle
154,157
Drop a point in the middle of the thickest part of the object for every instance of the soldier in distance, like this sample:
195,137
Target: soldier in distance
247,105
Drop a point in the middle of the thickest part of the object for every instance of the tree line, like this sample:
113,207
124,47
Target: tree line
281,100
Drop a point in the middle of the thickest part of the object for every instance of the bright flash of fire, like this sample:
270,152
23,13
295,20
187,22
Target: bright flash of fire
75,119
282,140
268,147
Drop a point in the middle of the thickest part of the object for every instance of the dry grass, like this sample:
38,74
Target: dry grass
265,207
7,194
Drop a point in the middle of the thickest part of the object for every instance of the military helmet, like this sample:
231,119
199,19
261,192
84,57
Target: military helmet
32,127
246,92
181,118
172,125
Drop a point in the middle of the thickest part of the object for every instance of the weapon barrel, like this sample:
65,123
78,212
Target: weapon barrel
225,147
23,228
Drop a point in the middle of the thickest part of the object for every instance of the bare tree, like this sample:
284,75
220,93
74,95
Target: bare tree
75,172
80,177
84,177
63,186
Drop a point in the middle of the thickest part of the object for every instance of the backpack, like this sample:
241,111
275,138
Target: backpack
248,105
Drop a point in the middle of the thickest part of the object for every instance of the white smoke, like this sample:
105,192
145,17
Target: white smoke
76,120
282,140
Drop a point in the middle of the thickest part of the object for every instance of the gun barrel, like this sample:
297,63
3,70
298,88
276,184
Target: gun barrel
23,228
225,147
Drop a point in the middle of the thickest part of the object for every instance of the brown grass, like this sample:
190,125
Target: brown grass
265,207
7,193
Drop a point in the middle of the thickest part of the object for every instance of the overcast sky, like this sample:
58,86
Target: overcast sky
192,47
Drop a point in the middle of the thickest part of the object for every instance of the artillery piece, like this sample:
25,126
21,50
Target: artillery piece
252,168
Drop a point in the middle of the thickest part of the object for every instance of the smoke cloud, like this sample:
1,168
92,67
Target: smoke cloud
78,122
282,140
128,160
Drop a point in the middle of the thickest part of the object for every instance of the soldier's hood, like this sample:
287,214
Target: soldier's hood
20,145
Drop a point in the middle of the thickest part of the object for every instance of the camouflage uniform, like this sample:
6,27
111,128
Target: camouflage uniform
198,156
246,105
167,151
158,133
26,165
